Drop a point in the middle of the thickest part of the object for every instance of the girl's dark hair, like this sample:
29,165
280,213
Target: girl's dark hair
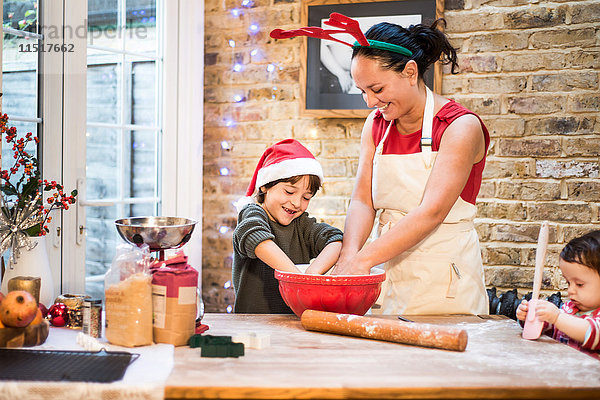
314,184
427,43
584,250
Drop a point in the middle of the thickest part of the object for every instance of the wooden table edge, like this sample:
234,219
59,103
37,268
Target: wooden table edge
487,392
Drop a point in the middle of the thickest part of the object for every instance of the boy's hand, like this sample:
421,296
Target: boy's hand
522,310
546,311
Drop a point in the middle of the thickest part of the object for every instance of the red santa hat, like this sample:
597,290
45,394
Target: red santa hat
282,160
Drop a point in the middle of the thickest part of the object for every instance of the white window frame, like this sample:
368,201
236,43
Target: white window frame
64,78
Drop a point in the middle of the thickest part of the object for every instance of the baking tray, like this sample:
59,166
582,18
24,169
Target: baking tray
59,365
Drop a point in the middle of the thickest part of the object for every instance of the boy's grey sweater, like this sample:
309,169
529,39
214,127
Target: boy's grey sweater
256,288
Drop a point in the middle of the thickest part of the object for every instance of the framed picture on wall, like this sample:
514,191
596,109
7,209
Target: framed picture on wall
327,87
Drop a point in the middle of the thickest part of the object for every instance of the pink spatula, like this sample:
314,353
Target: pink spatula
533,326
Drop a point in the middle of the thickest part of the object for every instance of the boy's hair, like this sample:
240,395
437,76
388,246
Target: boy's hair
584,250
314,184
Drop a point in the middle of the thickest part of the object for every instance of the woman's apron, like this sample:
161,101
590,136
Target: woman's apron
443,274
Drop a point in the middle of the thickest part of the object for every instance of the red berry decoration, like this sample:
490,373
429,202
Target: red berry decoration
58,314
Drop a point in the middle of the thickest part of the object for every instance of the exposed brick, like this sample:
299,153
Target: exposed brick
514,277
505,127
477,63
566,169
581,146
528,190
475,4
454,4
210,59
515,211
340,149
338,187
559,212
330,206
334,168
308,129
453,84
487,189
483,230
501,255
498,42
564,82
585,37
507,168
542,104
585,102
515,233
584,12
535,17
570,232
499,84
528,61
479,20
559,125
534,147
584,191
484,105
588,58
552,256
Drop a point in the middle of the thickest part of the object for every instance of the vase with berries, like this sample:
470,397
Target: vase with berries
26,204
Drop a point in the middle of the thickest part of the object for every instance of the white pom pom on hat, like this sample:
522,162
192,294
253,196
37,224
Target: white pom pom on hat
282,160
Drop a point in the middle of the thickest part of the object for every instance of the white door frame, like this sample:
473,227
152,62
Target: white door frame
183,117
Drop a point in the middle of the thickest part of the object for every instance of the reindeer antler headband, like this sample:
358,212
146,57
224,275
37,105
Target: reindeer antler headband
346,25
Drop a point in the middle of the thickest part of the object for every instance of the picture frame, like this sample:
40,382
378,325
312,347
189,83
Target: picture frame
327,94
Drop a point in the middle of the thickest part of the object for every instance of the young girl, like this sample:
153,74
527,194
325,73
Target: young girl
578,322
276,232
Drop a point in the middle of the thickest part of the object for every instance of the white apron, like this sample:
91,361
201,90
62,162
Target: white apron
444,272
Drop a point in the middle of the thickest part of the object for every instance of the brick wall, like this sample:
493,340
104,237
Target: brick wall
530,69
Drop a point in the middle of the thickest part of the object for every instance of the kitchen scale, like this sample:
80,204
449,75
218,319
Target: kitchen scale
159,233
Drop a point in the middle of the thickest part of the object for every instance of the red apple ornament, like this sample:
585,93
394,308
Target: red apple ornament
59,315
18,309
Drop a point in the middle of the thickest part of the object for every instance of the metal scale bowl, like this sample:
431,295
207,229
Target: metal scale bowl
159,233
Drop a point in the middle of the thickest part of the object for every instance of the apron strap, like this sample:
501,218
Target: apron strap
426,130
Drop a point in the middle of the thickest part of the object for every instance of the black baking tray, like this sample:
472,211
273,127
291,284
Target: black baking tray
59,365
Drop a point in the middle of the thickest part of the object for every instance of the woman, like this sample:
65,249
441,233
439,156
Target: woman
420,166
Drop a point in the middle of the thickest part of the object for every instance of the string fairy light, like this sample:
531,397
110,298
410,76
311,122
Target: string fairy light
238,65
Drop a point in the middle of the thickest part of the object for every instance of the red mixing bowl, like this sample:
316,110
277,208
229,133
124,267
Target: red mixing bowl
348,294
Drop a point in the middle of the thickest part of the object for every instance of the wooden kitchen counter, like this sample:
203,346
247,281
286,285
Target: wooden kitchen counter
497,364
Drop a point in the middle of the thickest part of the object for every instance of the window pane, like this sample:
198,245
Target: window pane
143,164
104,24
142,210
100,244
103,99
140,35
102,163
144,93
19,77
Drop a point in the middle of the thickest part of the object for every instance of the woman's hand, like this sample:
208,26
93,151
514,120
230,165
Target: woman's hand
351,266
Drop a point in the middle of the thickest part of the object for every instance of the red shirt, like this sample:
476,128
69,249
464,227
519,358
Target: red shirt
591,343
411,143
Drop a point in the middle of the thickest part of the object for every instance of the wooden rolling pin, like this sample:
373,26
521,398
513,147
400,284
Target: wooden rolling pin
384,329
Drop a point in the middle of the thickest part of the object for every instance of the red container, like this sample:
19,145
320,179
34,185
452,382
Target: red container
348,294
